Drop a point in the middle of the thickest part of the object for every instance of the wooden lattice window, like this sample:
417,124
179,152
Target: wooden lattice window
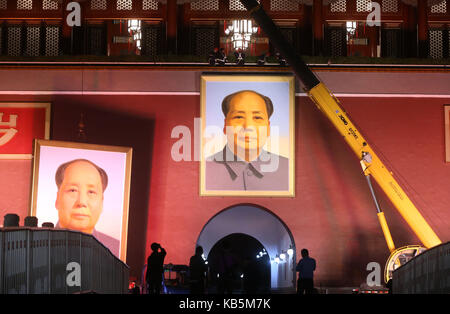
363,5
33,41
1,40
391,42
436,43
389,6
338,6
149,5
283,5
336,41
150,40
236,5
52,40
205,5
49,5
124,5
14,40
205,40
440,7
24,4
98,5
448,42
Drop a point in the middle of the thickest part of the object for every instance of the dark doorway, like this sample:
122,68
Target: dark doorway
248,265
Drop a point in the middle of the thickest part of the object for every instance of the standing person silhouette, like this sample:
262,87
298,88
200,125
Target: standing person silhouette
251,275
305,267
155,269
197,270
227,264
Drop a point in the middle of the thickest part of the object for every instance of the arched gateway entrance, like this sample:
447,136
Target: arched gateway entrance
266,228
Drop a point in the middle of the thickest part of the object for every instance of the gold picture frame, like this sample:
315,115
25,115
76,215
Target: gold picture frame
280,90
112,224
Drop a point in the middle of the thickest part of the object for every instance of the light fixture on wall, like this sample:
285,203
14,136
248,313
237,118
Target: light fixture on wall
261,253
290,251
134,28
351,29
241,32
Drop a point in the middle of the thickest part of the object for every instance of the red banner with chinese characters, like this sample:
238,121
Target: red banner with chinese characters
20,124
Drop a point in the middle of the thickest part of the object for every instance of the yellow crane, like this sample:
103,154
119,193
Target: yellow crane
371,165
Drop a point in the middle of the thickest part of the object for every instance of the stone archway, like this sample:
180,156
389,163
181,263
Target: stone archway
263,225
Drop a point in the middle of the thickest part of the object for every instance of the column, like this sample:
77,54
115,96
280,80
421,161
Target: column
66,30
422,28
69,44
171,26
318,27
411,33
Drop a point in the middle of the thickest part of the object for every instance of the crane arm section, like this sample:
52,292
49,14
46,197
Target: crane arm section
330,107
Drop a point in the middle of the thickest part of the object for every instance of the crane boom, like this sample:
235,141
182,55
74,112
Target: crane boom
329,105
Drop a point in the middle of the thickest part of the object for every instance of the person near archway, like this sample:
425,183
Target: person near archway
226,266
155,270
197,272
305,268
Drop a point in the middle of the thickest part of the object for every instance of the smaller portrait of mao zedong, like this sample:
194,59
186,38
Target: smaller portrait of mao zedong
89,192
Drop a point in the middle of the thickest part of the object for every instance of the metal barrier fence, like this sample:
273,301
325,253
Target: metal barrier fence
35,260
426,273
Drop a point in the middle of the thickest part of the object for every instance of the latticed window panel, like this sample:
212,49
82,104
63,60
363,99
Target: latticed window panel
337,42
389,6
96,41
438,7
150,40
98,5
236,5
205,39
49,5
24,4
149,5
363,5
391,42
288,34
14,40
52,47
205,5
124,5
33,41
3,4
448,42
436,44
338,6
283,5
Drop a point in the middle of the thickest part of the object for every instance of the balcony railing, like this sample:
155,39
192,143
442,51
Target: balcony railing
44,260
426,273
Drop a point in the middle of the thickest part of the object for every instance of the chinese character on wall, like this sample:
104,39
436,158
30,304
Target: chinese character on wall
20,124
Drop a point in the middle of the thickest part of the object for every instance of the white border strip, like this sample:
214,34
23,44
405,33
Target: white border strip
95,93
394,95
386,95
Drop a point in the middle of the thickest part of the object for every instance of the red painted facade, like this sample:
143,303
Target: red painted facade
332,213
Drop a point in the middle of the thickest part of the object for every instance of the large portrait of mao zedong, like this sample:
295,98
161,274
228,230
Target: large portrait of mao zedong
83,187
247,135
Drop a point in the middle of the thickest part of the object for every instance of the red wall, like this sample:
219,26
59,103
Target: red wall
332,214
